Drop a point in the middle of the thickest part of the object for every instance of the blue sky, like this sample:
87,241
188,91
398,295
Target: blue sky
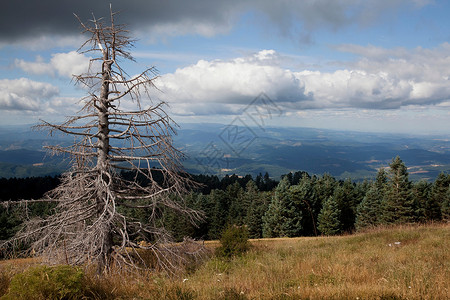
368,65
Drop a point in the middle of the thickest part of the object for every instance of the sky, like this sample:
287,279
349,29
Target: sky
365,65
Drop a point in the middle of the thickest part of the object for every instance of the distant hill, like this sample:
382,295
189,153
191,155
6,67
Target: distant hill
342,154
222,149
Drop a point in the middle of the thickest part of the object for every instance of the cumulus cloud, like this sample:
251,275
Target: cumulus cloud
25,94
378,79
62,64
402,76
235,81
22,21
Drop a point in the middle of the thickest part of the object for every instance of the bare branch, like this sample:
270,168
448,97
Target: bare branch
88,225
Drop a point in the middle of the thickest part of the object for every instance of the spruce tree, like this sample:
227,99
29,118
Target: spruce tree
361,189
438,195
347,203
237,210
381,181
398,201
446,206
292,213
323,189
425,208
329,218
275,217
369,210
254,201
303,196
203,204
219,214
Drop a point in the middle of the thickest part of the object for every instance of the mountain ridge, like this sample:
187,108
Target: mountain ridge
220,149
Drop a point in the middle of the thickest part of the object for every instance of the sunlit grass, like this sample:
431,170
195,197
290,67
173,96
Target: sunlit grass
402,262
408,262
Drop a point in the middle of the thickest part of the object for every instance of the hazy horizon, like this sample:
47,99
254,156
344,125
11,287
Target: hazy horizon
371,66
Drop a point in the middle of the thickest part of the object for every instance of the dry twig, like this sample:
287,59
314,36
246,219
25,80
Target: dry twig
88,226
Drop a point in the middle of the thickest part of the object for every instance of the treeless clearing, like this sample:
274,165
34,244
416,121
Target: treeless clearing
403,262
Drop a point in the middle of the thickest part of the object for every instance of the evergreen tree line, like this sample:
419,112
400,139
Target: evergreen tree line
304,205
14,189
298,205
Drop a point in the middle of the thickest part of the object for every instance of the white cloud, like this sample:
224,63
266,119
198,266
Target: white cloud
61,64
418,76
38,67
236,81
378,79
356,88
25,94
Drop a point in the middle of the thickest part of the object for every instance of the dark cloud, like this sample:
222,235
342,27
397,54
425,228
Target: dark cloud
22,19
25,19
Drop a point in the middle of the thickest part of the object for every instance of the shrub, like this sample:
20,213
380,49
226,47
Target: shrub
43,282
234,241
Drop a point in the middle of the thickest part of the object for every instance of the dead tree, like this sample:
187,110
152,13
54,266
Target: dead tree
88,225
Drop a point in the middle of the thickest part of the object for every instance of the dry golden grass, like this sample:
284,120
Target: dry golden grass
411,262
407,262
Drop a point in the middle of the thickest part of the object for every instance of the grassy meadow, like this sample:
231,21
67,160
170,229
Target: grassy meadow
404,262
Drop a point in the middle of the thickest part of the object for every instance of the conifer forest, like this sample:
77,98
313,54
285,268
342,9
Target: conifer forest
300,204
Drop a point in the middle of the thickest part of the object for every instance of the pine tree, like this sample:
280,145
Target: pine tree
10,218
360,190
219,213
201,203
254,201
425,208
381,180
298,176
398,205
446,206
323,189
237,210
329,218
347,203
303,196
269,184
292,213
438,195
369,210
275,217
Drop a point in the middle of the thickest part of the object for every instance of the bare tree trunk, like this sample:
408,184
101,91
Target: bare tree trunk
87,226
103,161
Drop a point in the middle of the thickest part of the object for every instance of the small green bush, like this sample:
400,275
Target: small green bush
234,242
43,282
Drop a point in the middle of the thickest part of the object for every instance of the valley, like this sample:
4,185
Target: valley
208,150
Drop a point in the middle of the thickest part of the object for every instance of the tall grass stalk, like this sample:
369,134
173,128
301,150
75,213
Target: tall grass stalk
406,262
